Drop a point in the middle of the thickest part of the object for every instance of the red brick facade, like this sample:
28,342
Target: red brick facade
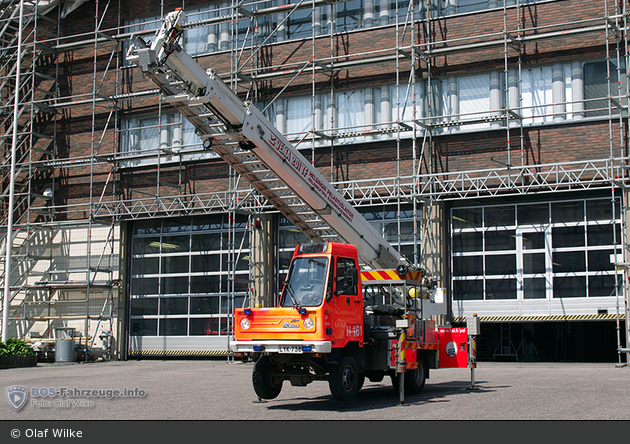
81,135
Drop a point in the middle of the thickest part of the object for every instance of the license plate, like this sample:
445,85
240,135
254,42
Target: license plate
290,348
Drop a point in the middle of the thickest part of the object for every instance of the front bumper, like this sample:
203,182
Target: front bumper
281,346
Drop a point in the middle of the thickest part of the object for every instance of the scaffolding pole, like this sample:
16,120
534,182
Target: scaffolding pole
9,236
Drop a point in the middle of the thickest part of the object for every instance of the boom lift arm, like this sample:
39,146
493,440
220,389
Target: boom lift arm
249,143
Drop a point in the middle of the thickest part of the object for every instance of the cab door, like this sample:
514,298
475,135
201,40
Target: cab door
347,302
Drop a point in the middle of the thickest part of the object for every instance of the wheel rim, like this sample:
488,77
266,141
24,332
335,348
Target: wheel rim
348,379
419,376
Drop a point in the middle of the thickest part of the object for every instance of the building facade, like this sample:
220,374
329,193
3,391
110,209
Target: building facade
487,140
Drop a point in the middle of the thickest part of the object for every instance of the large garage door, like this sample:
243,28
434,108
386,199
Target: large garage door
186,277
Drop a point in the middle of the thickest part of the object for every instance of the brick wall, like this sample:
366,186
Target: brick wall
577,141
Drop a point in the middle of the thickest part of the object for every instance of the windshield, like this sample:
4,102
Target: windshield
305,283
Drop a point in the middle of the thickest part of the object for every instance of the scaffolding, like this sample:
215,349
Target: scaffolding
41,283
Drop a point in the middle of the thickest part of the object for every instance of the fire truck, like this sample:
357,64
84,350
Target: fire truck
352,308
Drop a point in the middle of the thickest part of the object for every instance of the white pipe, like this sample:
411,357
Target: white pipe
9,238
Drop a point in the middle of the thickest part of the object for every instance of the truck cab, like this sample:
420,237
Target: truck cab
320,307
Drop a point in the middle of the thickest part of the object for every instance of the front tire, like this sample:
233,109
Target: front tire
344,379
265,385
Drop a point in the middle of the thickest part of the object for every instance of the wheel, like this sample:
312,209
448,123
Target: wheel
415,379
264,384
344,379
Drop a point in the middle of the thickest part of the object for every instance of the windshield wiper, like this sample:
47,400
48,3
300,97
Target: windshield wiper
291,293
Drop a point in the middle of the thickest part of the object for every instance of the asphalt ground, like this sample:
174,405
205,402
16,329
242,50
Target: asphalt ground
218,390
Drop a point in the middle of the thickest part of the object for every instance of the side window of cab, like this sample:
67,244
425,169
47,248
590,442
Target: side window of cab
347,276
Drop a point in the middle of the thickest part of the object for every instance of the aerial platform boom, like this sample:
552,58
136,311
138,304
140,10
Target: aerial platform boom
239,133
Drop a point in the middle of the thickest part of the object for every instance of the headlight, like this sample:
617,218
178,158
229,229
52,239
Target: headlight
308,323
245,324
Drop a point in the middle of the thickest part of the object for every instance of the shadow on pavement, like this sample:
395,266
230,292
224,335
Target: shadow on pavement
383,396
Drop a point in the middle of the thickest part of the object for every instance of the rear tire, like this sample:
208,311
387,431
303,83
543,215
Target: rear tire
415,379
265,385
344,379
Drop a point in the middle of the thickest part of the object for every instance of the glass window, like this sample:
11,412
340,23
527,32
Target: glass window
199,39
175,244
144,27
298,115
603,234
537,95
344,265
175,264
204,305
471,5
563,237
602,209
406,231
468,265
300,23
602,285
174,285
468,241
464,290
500,264
204,326
143,327
147,137
350,111
141,227
533,240
208,326
145,265
146,245
173,306
500,288
205,284
534,288
534,214
569,287
569,261
500,240
209,263
596,87
534,263
173,327
143,306
206,242
567,212
474,98
176,226
161,267
349,15
502,216
406,104
466,218
144,285
599,260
